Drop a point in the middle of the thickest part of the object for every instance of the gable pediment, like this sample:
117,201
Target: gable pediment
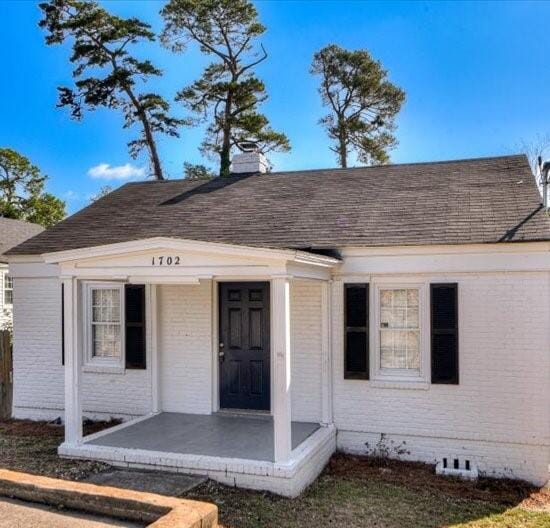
165,257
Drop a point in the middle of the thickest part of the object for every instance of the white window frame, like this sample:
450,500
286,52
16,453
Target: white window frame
406,376
89,359
4,281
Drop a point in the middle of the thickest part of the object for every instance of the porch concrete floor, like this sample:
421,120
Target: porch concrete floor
216,435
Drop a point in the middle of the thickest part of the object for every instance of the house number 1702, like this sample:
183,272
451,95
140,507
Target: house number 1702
163,260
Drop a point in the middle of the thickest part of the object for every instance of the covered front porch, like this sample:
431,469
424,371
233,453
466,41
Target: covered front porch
244,401
236,450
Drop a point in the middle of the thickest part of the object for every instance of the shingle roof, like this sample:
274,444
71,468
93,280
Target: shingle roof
453,202
13,232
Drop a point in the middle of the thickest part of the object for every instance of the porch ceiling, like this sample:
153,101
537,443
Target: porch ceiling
207,435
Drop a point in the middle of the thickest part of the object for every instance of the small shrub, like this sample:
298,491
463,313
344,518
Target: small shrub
386,449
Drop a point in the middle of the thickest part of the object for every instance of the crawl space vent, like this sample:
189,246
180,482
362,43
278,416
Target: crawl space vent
457,467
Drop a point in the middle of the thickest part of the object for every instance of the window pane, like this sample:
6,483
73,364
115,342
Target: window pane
399,329
105,305
106,329
106,340
413,349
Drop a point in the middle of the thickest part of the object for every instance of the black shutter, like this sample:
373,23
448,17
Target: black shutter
356,326
444,318
62,324
135,326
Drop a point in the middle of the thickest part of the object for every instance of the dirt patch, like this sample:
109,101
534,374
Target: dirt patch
32,447
538,501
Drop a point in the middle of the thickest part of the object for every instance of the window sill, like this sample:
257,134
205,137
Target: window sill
103,369
404,384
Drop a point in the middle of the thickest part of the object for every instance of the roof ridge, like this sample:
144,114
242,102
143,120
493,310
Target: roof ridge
342,169
435,162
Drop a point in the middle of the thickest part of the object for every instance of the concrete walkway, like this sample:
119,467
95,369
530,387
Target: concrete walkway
160,482
217,435
18,514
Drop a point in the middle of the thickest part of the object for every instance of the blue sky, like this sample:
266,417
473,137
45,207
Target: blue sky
476,76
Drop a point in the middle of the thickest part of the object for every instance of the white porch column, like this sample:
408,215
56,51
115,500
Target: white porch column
326,355
280,296
152,310
73,392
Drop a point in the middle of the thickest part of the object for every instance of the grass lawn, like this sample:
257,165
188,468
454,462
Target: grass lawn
352,492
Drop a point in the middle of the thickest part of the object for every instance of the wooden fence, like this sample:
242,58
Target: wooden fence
6,380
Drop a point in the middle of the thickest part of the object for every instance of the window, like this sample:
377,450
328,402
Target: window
105,317
401,329
8,290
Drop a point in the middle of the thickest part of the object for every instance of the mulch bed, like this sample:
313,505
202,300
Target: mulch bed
419,476
53,429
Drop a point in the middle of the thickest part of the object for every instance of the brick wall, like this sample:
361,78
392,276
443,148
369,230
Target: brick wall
499,413
305,328
185,344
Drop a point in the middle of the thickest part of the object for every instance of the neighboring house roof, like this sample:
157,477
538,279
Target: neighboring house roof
453,202
13,232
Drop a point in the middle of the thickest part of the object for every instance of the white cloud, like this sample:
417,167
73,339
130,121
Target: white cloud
104,171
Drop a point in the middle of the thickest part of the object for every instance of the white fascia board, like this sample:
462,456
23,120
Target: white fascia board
474,258
188,245
440,249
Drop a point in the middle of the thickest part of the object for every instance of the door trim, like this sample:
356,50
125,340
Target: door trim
216,337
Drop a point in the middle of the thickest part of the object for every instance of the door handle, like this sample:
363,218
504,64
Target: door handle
221,353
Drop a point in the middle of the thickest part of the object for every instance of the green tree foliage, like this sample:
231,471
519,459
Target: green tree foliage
22,195
228,93
106,74
362,104
197,172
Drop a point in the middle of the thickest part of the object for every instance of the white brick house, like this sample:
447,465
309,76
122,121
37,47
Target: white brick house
247,327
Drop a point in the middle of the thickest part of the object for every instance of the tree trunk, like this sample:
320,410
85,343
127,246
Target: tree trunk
149,139
343,151
157,168
225,156
225,153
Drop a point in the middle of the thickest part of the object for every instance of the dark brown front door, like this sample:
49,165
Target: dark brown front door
244,357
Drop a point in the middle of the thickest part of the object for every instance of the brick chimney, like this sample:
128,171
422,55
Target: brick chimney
250,159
